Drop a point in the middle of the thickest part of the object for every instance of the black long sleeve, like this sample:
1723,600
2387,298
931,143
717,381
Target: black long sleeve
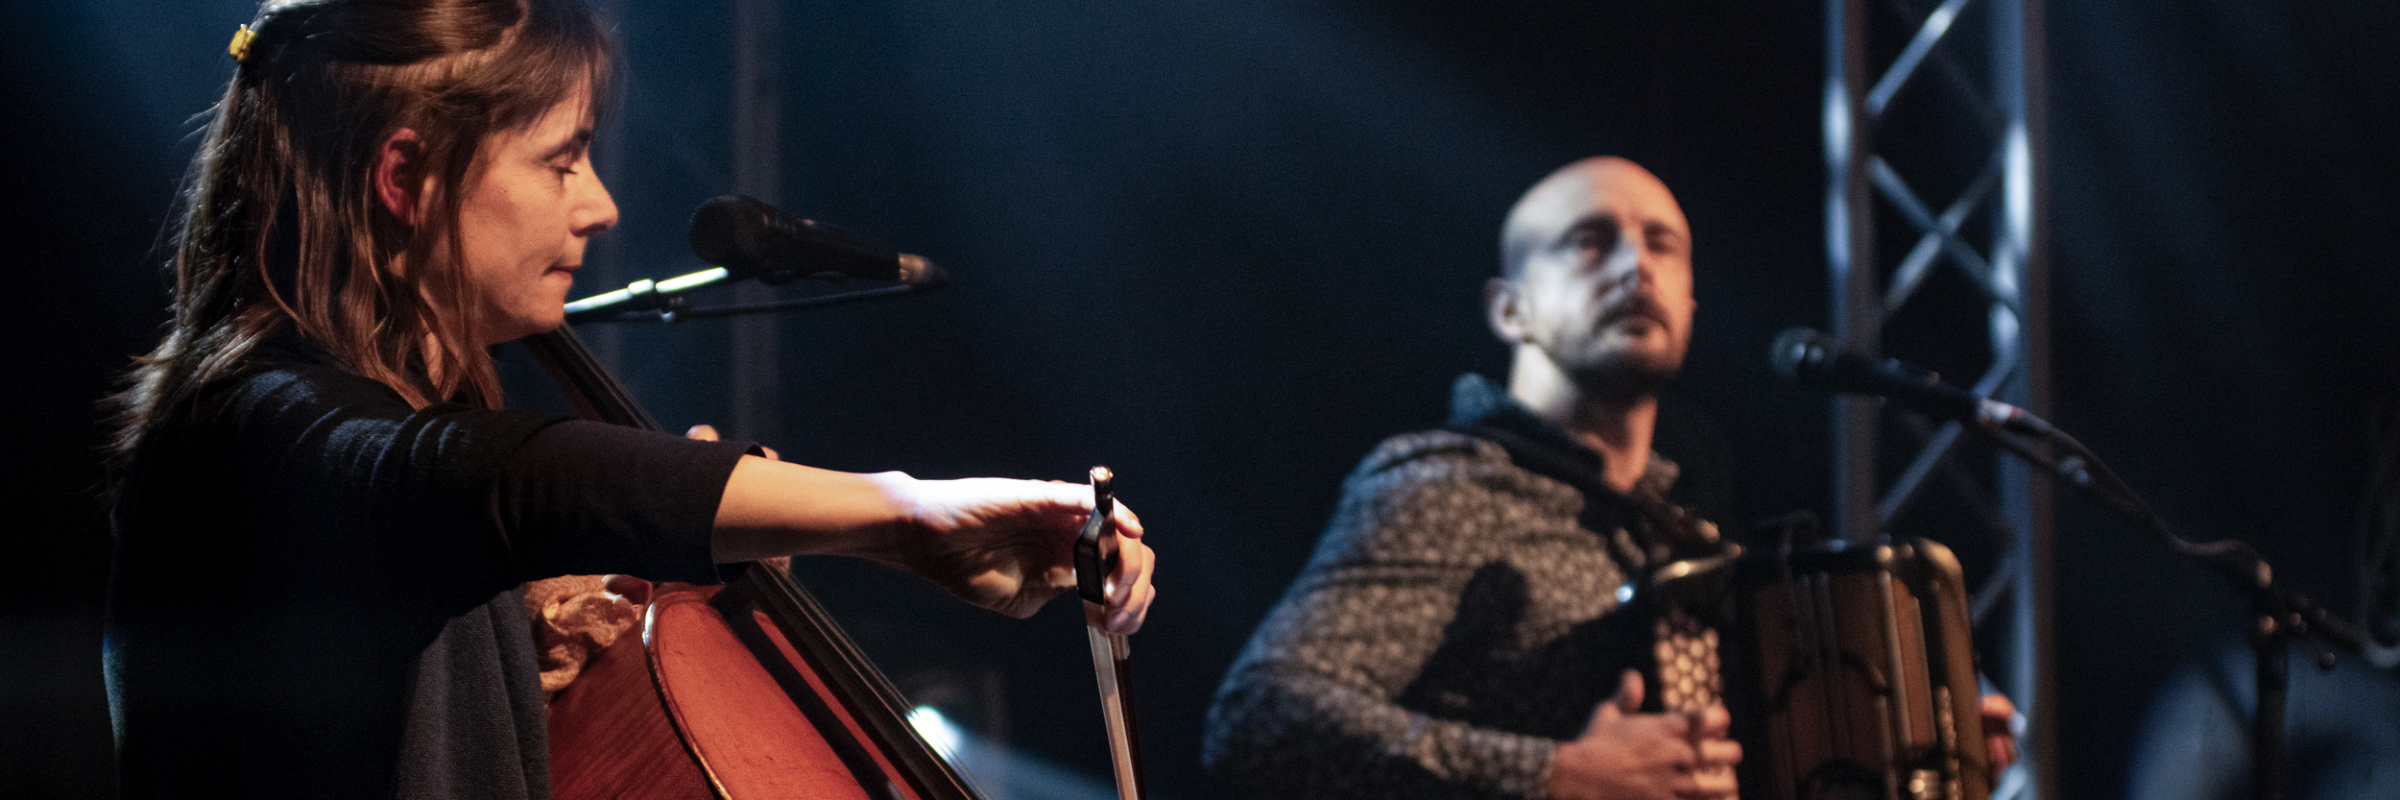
314,586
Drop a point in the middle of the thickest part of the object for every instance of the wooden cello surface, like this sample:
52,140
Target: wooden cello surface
749,690
603,743
685,710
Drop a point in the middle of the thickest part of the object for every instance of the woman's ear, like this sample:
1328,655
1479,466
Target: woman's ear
400,180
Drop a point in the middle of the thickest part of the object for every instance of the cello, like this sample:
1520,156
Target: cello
744,690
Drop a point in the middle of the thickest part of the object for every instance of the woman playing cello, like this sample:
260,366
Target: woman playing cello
323,514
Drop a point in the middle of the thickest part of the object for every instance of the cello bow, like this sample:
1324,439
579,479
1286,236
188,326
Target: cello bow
1096,559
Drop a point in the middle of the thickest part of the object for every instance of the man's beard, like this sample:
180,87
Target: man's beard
1617,375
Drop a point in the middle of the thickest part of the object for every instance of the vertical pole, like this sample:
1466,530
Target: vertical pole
754,376
2022,267
1849,251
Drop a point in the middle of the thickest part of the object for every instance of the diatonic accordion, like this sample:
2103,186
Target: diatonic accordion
1849,671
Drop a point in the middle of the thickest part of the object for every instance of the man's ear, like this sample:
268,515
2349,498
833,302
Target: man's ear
400,179
1504,308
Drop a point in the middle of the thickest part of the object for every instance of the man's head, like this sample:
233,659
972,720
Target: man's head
1596,265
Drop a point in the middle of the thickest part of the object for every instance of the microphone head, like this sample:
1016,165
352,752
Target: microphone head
1799,354
726,231
751,239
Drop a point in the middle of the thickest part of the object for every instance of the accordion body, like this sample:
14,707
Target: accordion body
1849,670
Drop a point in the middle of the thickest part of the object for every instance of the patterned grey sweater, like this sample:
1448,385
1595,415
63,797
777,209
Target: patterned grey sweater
1452,628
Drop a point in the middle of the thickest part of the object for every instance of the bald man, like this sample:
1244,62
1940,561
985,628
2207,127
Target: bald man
1459,631
1456,633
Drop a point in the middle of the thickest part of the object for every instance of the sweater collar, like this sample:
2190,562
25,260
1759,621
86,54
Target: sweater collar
1477,401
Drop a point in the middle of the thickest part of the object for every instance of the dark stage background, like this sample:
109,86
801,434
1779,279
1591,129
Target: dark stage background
1225,247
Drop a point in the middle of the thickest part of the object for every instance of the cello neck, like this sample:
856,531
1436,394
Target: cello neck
596,394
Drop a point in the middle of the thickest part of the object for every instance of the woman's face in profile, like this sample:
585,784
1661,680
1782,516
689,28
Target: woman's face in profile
525,221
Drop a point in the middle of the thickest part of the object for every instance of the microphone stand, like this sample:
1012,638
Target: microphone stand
669,301
2278,614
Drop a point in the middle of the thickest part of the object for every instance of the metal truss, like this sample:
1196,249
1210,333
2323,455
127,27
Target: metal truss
1977,138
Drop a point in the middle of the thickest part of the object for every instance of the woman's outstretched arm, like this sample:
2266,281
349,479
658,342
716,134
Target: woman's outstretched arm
1006,545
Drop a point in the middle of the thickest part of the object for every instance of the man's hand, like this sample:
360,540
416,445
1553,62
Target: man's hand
1628,755
1999,735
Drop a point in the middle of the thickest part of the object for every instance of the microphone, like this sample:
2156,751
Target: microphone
1815,359
751,239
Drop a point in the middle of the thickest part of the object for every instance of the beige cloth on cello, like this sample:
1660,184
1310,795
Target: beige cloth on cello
574,618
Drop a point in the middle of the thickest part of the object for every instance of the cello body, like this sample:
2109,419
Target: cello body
748,690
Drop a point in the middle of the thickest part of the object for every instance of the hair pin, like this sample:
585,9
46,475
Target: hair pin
240,48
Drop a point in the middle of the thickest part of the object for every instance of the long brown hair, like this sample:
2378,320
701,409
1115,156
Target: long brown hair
279,228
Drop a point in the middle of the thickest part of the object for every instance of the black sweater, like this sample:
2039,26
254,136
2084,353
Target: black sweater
315,586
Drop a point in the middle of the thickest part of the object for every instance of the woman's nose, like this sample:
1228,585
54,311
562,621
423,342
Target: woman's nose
598,211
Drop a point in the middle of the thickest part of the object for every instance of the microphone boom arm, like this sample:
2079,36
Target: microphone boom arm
745,238
666,301
645,295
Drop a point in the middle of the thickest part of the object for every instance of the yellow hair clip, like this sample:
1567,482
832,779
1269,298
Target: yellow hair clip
240,49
